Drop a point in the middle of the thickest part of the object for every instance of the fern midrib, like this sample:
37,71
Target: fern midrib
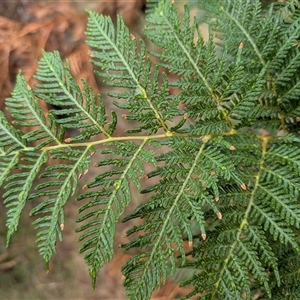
162,233
244,221
75,102
157,115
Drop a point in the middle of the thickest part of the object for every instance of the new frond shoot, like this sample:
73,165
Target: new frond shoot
213,122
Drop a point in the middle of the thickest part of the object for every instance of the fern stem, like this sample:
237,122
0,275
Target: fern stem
168,134
115,139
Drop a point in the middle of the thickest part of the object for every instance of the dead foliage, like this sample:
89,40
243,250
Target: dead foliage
56,26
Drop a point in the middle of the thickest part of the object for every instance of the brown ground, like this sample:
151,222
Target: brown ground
27,27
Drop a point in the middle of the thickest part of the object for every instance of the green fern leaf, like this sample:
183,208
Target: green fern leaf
115,53
27,113
19,186
79,109
6,165
112,197
58,188
168,218
10,139
222,193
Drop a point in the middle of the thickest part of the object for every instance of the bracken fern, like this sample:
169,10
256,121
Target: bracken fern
224,200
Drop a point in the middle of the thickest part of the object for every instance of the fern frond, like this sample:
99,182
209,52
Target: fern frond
151,5
232,259
223,197
111,197
206,82
6,165
286,155
269,39
122,65
120,53
74,109
26,112
274,225
243,21
11,139
254,226
289,274
60,185
183,192
19,187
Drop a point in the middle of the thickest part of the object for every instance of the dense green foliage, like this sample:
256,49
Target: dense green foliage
224,150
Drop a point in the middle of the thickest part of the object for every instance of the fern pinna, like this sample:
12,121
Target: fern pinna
223,206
